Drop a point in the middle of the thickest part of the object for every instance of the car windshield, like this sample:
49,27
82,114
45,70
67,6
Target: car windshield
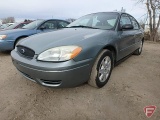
33,25
13,26
96,21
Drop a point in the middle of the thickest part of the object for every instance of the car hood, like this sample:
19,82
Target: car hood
6,29
67,36
13,31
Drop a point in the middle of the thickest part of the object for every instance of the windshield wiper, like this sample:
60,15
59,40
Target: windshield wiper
82,26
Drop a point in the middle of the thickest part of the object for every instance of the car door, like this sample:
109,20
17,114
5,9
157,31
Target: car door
126,37
47,26
137,32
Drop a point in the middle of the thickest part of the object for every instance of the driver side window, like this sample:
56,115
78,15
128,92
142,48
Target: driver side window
135,24
124,20
49,25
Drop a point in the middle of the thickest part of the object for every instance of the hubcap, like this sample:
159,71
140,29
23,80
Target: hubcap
104,69
141,45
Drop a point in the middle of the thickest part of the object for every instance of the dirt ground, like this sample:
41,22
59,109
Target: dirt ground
134,84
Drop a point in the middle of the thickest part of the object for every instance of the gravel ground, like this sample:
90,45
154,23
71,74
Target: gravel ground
134,84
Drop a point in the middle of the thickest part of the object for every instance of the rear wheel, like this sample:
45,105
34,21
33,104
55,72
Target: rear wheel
139,50
102,69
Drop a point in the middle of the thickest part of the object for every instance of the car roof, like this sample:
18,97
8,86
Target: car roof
53,19
119,12
44,20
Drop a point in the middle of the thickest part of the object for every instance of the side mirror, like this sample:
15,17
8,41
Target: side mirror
127,27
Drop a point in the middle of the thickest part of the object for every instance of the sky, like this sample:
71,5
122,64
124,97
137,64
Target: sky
63,9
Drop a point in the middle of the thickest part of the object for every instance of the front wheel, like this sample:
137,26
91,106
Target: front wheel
102,69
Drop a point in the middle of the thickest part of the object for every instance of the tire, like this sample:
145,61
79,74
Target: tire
18,41
139,50
98,72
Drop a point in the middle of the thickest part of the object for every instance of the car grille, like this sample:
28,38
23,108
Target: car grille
52,82
25,51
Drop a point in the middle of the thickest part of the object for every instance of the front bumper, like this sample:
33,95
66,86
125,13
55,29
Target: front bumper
63,74
6,45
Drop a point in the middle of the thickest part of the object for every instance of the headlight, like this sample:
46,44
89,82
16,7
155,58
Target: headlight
2,37
62,53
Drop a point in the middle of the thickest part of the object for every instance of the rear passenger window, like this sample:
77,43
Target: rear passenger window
124,20
134,23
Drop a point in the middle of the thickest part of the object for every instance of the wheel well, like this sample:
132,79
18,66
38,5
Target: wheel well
111,48
18,39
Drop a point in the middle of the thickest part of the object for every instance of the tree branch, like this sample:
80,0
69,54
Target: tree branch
154,14
150,16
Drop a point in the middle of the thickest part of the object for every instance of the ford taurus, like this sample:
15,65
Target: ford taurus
85,51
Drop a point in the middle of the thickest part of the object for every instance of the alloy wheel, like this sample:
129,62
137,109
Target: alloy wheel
104,69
